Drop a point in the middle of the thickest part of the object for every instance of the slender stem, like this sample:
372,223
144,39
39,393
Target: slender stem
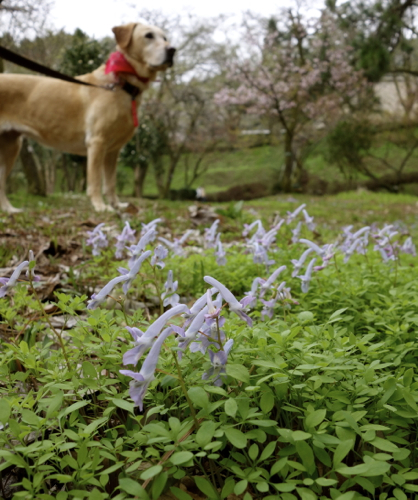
221,347
184,389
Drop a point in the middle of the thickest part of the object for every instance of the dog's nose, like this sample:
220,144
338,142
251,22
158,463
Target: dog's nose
170,55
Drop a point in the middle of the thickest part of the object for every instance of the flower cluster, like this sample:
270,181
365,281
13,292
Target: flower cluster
201,332
97,239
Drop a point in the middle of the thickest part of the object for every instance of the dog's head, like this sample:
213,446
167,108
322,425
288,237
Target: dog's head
145,47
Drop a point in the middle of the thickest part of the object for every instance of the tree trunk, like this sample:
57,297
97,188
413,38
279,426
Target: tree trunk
1,65
140,172
159,175
288,163
34,179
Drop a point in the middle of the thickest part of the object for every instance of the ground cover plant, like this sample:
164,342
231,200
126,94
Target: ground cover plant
294,377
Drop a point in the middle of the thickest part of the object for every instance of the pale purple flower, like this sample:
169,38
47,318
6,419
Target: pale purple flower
260,232
267,284
306,278
320,251
144,340
409,247
31,272
309,221
214,307
296,232
8,283
127,236
218,361
298,264
251,296
139,385
170,297
160,253
149,226
134,268
270,237
99,297
207,336
291,216
210,235
261,256
97,239
227,295
196,307
190,334
137,249
349,252
176,246
220,253
268,309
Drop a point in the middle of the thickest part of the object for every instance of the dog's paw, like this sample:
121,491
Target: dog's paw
10,209
102,207
122,205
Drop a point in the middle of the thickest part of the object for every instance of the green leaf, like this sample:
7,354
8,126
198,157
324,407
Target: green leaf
236,437
306,454
5,411
323,481
54,403
180,494
278,466
88,369
198,396
181,457
72,408
205,433
158,485
240,487
370,469
306,494
206,487
238,372
399,494
268,451
125,405
342,451
151,472
384,444
315,418
133,488
267,402
30,417
410,399
89,430
231,407
300,435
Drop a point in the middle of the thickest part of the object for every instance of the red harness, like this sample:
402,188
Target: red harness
118,64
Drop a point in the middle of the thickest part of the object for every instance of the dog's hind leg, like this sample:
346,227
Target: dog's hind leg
96,153
110,163
10,143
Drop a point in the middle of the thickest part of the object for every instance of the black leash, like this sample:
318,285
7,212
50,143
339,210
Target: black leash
38,68
44,70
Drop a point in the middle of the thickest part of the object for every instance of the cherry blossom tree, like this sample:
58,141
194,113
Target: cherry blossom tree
296,72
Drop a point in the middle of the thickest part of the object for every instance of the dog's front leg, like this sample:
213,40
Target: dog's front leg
96,153
110,163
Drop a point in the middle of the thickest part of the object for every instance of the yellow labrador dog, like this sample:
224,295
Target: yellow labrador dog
84,120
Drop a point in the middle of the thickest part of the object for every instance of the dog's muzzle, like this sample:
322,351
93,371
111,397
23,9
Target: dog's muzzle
169,57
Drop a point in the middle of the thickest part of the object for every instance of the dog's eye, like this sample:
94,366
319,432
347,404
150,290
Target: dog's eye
149,35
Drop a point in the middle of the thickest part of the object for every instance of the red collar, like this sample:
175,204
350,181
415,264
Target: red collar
118,64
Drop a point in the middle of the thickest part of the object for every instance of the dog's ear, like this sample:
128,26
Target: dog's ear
123,34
